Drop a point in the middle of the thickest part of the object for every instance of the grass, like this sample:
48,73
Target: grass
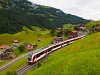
80,58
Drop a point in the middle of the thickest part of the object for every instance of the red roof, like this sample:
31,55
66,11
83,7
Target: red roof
1,47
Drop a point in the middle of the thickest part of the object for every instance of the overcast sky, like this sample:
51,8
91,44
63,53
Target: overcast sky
88,9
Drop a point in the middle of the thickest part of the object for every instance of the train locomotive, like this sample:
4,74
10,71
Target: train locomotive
38,54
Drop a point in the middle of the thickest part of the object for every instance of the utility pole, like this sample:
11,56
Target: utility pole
63,33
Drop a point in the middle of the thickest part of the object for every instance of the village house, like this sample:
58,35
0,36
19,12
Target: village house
28,46
82,27
4,47
4,56
58,29
34,45
15,43
13,56
57,39
9,50
96,28
1,47
72,34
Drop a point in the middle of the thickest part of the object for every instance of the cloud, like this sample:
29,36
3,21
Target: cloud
88,9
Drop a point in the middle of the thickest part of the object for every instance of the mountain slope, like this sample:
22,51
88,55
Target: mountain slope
80,58
14,14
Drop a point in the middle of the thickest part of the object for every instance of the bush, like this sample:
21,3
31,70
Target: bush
21,48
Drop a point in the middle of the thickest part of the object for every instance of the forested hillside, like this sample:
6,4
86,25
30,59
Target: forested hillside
14,14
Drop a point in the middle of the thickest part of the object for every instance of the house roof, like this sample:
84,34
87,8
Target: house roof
16,41
74,31
1,47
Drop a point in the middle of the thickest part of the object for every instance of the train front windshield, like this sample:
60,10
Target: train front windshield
29,57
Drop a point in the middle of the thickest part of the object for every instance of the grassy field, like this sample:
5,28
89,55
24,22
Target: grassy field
80,58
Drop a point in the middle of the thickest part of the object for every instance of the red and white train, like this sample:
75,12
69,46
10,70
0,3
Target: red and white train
38,54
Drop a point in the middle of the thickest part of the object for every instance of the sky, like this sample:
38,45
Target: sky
87,9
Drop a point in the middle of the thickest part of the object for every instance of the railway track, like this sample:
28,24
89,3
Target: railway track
27,67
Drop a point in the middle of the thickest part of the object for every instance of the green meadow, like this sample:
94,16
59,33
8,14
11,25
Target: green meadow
79,58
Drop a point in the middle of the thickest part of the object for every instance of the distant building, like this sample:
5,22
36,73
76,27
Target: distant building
4,56
9,50
1,47
28,46
4,47
82,27
58,29
96,28
72,34
13,56
57,39
15,43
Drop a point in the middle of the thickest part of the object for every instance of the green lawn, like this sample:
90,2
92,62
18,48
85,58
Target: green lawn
80,58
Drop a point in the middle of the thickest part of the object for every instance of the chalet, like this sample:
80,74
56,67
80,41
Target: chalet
72,34
29,48
9,50
15,43
13,56
57,39
4,56
4,46
58,29
34,45
1,47
26,44
96,28
82,27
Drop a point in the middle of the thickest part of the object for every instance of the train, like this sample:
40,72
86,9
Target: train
39,54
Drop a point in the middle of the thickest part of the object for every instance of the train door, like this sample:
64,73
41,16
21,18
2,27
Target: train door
35,58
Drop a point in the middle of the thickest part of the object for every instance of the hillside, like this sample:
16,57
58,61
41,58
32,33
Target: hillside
80,58
90,25
14,14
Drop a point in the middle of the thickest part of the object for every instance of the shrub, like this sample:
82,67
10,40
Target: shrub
21,48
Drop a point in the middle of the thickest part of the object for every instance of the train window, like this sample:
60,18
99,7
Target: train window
40,54
56,46
49,49
29,59
33,57
64,42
